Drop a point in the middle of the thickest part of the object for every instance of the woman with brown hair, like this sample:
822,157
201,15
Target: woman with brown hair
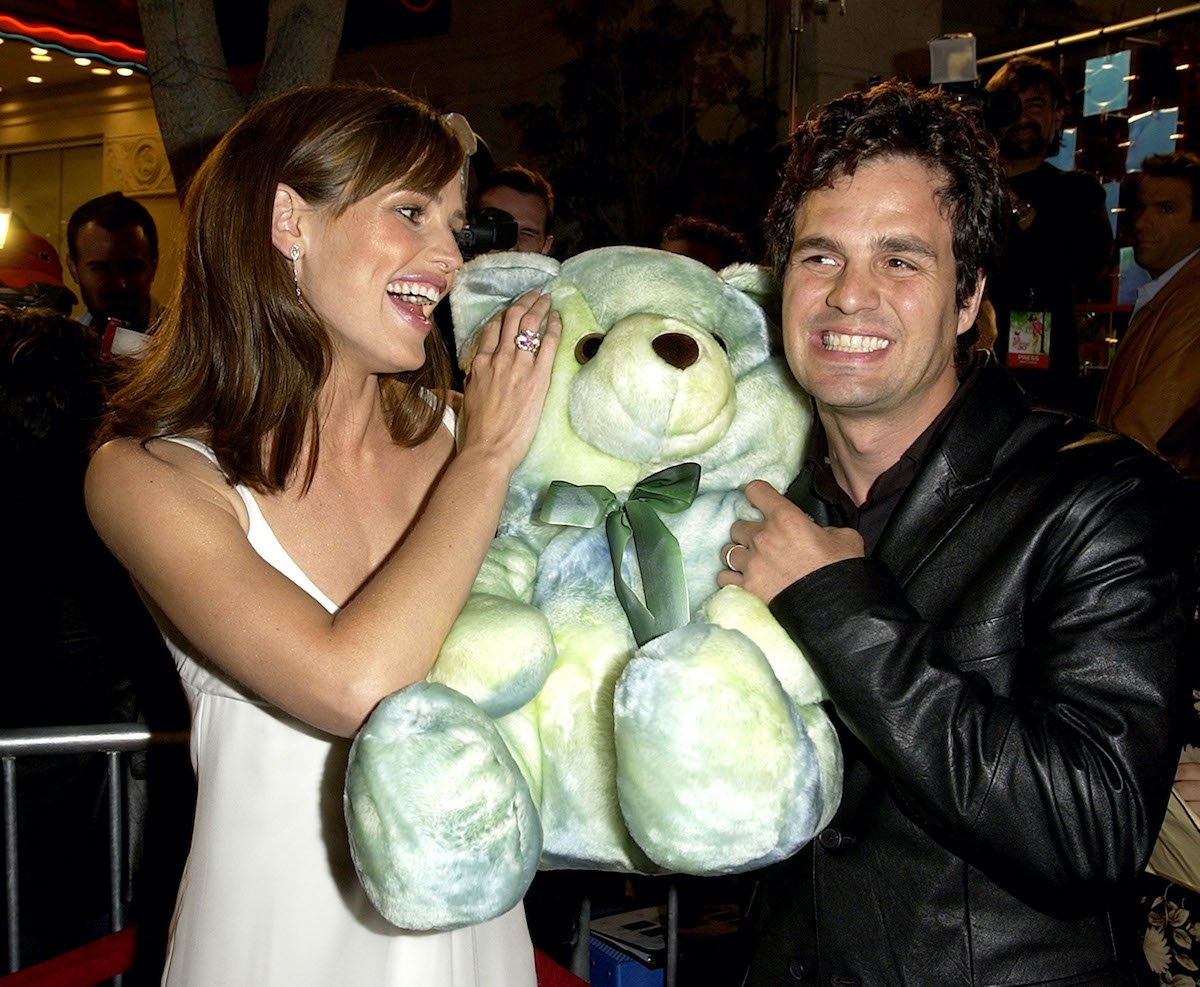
282,482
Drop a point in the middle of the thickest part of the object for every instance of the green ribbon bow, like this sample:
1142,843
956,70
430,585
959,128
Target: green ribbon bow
659,560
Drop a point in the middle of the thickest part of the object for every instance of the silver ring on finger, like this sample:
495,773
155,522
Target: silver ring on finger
728,556
528,340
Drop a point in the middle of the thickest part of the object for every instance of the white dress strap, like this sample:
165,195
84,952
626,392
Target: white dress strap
259,533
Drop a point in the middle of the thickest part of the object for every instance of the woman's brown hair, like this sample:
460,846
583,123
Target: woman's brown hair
237,356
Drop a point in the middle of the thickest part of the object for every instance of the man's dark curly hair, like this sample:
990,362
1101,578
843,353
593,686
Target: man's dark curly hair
896,119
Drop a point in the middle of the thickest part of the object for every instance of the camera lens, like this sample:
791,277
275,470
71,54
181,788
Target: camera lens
490,229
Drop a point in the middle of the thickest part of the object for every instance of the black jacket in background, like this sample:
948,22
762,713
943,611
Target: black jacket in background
1050,267
1007,676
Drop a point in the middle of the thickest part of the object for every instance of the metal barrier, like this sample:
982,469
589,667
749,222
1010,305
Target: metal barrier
115,740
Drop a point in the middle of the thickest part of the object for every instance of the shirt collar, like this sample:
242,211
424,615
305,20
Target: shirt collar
870,518
1152,288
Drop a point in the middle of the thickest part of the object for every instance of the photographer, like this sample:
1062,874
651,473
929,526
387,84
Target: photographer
527,197
1058,242
513,211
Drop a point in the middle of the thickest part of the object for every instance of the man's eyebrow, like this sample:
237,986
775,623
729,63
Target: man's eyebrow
906,245
814,243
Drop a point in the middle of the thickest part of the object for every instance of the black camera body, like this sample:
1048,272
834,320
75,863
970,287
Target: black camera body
489,229
38,295
996,110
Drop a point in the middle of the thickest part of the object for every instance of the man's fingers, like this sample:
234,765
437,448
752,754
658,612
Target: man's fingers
763,496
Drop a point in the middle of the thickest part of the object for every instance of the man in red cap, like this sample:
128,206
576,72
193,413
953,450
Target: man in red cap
31,273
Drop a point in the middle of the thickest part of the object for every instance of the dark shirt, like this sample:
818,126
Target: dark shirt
872,516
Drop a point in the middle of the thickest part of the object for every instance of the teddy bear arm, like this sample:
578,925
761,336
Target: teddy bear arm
735,609
499,649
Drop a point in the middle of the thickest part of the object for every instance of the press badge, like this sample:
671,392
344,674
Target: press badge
1029,340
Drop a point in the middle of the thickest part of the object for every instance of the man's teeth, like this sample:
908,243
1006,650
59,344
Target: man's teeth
414,294
843,343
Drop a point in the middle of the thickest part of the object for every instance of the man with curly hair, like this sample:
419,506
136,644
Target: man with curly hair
995,597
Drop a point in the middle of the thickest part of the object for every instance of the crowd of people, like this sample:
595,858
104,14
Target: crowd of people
994,580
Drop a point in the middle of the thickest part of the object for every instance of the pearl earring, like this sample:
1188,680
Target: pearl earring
295,275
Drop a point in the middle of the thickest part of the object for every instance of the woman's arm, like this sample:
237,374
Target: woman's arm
171,522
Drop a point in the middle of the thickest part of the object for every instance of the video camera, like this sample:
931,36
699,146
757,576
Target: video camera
489,229
953,70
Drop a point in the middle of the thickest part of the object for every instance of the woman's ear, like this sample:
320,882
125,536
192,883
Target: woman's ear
286,219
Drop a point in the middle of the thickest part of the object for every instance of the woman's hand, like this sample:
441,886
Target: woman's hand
508,378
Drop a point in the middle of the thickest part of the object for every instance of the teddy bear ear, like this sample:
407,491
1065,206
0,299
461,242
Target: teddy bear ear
489,283
760,285
755,280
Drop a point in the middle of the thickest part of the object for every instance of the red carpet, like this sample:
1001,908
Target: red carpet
86,966
103,959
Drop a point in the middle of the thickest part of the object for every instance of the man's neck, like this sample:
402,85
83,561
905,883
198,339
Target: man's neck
861,449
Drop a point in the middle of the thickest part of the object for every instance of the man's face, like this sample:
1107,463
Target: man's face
114,270
530,213
869,315
1163,229
1029,136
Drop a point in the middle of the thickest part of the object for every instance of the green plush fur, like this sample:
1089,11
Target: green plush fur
703,751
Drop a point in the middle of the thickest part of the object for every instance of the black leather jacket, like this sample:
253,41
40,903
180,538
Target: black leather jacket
1007,675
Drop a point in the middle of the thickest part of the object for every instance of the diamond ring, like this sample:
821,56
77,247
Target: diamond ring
528,341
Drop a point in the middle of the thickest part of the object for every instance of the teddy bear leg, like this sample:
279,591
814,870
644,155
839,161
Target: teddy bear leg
715,767
580,814
443,831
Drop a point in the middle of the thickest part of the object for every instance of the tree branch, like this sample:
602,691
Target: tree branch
194,99
302,43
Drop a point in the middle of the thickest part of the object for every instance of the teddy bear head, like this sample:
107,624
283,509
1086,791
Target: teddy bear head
662,360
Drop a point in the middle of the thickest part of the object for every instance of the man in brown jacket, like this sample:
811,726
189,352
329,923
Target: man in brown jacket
1152,391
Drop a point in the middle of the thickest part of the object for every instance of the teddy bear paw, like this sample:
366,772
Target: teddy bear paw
443,831
716,771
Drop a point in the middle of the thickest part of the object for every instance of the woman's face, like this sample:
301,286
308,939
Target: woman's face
374,274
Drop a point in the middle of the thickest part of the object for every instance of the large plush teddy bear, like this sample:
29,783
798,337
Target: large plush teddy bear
598,704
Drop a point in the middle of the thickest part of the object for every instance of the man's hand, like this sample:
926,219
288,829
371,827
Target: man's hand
767,556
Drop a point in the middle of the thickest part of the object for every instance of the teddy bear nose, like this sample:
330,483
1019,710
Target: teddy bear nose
677,349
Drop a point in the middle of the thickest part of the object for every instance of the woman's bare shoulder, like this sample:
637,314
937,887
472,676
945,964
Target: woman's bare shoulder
160,471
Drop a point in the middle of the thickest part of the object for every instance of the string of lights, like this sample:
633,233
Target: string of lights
77,45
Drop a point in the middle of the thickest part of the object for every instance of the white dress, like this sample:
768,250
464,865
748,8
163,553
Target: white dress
269,895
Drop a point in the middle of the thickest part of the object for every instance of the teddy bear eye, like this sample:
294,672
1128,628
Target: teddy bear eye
587,347
721,342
